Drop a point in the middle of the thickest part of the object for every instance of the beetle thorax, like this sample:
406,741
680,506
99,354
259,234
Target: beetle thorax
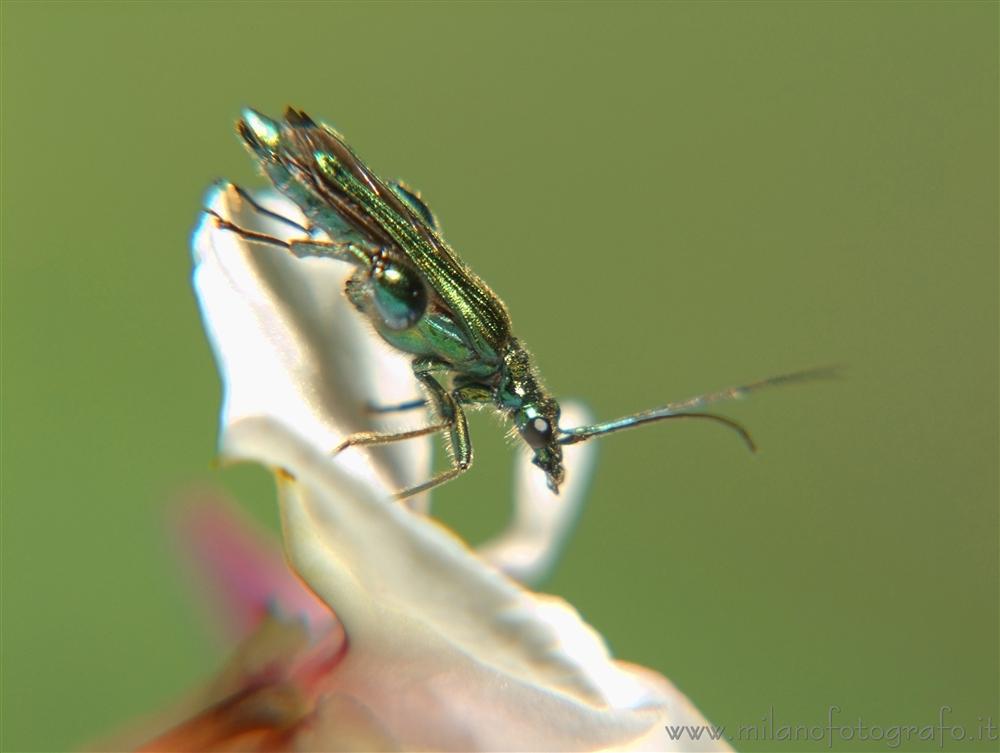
519,384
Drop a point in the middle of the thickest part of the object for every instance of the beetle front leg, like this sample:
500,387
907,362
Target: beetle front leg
459,442
437,397
451,419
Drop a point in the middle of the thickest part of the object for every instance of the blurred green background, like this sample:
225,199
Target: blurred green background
670,198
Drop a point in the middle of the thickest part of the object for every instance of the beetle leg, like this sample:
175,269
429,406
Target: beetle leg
472,394
299,247
398,407
367,438
459,442
262,210
451,419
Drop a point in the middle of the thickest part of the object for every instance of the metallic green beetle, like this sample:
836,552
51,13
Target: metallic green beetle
423,300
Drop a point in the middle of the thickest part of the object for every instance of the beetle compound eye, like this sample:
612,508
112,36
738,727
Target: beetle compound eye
399,295
537,432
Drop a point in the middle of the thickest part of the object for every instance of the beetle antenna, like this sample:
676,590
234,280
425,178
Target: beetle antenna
684,408
582,433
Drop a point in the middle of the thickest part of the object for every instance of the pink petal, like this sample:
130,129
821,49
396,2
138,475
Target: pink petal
240,568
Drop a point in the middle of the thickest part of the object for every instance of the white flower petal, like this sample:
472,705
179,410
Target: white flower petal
449,653
291,347
527,549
